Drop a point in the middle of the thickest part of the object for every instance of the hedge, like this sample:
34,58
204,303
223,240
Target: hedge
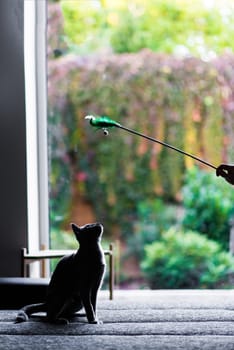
185,102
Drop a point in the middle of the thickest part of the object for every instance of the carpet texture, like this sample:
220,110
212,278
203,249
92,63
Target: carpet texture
193,319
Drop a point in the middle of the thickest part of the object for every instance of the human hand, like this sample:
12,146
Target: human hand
227,172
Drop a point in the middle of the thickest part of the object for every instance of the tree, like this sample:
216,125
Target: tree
171,26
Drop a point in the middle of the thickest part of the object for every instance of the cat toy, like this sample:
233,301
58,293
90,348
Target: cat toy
105,123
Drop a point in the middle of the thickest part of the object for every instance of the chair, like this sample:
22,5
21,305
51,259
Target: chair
41,256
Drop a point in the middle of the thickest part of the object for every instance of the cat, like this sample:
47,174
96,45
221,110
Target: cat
75,281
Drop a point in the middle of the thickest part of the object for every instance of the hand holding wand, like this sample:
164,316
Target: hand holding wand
105,122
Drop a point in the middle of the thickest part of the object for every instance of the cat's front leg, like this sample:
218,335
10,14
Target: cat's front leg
96,286
94,302
90,313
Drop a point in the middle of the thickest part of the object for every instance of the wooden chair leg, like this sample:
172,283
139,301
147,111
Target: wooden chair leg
43,263
111,271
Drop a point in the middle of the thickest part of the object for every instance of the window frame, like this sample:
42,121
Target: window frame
35,25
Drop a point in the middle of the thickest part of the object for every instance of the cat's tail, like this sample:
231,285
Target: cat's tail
26,311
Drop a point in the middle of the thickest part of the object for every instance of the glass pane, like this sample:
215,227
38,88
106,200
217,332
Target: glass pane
163,69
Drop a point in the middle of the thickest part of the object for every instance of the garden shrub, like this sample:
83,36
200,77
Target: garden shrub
152,218
186,259
209,205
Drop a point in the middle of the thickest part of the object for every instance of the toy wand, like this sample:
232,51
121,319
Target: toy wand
105,122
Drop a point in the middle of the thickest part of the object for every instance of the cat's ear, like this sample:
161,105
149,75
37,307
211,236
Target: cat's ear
76,229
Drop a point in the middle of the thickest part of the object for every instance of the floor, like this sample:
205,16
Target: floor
189,319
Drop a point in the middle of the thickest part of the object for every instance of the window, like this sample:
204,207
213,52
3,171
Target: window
112,60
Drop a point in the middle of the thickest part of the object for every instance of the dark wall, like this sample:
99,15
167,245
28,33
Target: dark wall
13,195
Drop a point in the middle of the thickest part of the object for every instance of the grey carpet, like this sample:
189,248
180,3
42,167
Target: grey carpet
134,320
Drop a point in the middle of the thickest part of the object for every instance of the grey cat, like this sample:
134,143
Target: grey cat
75,281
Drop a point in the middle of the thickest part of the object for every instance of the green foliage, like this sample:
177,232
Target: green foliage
85,26
186,259
63,240
60,171
171,26
209,205
152,218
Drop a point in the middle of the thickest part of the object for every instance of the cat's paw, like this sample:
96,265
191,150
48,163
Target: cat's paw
96,322
21,317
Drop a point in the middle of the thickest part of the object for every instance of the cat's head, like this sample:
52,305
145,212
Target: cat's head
89,233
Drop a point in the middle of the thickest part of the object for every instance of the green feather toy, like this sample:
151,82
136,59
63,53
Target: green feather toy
102,122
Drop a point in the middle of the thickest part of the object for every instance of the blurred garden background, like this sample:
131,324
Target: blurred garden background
164,68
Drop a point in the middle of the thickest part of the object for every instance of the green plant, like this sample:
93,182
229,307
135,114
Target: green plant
186,259
152,218
209,205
